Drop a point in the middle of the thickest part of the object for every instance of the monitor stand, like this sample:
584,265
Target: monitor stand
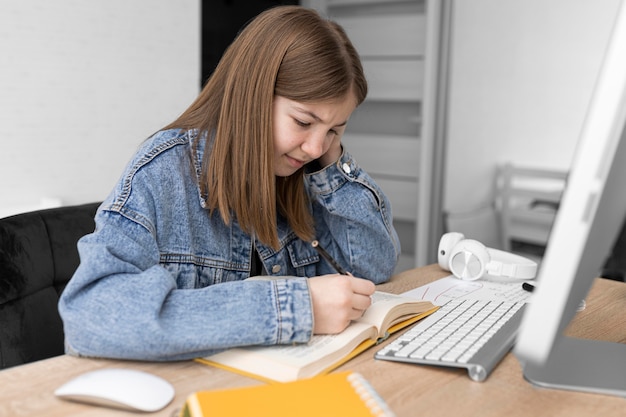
582,365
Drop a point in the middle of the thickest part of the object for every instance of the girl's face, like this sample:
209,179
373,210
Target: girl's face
304,132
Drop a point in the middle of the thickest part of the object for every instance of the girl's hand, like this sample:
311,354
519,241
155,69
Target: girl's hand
337,300
332,154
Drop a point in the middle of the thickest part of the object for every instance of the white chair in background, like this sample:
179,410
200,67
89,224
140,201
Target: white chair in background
526,201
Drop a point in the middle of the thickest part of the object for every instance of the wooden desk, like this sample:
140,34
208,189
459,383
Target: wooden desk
410,390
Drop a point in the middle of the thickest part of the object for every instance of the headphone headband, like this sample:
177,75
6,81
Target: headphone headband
510,265
469,259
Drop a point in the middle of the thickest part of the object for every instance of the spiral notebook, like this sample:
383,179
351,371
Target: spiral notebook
335,395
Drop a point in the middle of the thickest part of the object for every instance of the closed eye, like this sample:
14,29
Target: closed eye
301,123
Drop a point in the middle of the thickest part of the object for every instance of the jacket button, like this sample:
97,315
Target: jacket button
276,269
346,168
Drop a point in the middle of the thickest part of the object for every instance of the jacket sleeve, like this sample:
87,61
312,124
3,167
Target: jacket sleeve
122,304
354,220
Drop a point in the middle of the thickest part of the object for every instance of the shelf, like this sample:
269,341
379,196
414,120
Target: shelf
386,155
403,197
394,80
362,3
404,35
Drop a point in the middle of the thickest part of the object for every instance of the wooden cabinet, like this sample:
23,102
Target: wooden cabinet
385,133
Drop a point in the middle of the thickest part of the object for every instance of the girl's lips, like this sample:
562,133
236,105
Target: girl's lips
296,163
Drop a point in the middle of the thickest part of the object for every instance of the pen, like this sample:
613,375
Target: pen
328,258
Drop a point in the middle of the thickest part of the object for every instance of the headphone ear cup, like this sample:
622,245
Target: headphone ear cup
469,259
446,244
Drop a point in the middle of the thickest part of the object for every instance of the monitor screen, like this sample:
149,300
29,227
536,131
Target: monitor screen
590,216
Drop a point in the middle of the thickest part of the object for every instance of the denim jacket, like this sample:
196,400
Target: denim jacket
162,279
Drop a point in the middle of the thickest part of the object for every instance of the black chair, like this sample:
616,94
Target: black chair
615,265
38,256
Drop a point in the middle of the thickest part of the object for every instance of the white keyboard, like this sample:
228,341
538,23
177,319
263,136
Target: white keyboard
472,334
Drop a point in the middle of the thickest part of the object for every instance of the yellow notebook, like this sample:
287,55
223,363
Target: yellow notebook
284,363
343,394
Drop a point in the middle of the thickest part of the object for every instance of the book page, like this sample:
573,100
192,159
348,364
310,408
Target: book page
290,362
318,347
385,309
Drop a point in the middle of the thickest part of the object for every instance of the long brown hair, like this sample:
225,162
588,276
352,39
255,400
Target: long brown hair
289,51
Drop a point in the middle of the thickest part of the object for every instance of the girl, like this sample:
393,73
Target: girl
237,187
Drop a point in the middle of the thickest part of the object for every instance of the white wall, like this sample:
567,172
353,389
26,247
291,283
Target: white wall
522,77
82,83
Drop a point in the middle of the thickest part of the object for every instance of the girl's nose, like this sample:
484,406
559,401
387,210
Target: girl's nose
315,145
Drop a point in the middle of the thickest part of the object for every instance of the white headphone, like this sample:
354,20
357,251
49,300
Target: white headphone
469,260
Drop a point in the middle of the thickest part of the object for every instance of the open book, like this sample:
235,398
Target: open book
283,363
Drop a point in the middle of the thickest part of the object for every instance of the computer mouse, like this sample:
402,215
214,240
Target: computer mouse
127,389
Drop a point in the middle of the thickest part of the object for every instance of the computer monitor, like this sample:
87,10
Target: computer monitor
590,216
